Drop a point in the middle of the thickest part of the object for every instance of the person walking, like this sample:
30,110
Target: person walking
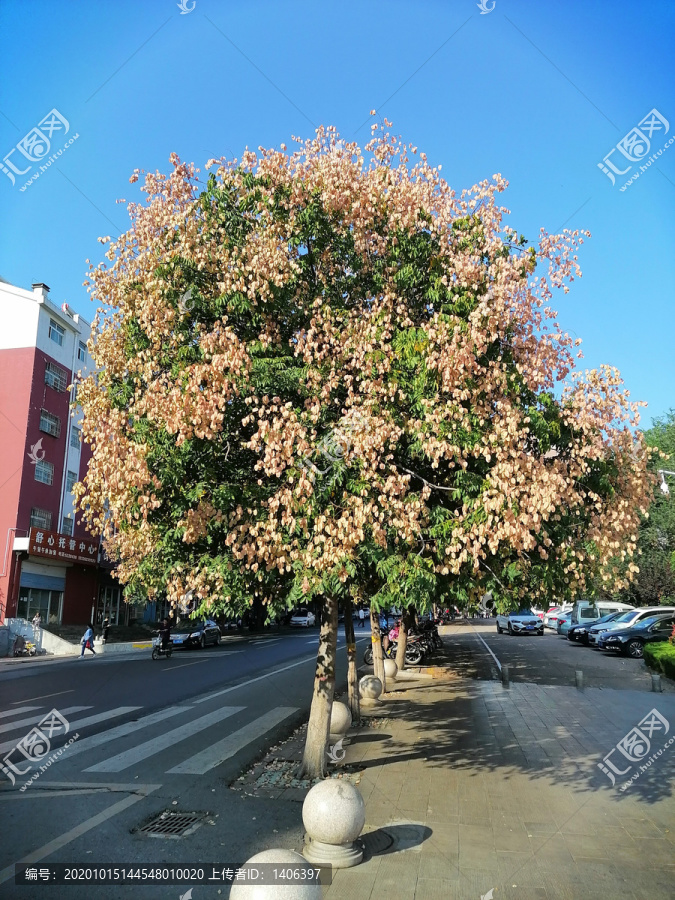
362,617
105,628
88,641
37,620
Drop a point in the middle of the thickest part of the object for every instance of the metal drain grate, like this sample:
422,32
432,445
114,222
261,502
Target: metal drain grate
172,824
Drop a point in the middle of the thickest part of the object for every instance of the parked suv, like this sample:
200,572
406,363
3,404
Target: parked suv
522,621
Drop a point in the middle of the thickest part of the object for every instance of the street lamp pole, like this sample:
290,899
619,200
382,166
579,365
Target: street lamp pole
664,484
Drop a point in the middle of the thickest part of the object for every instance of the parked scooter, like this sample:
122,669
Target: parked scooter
22,647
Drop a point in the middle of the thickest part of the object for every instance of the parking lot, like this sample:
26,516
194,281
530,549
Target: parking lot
550,659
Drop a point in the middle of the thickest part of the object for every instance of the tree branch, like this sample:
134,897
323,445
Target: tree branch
428,483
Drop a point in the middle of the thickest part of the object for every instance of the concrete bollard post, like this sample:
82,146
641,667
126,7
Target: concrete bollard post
370,689
340,721
505,676
333,815
656,683
285,859
579,679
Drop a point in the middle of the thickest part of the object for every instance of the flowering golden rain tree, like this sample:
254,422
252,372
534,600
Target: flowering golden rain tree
340,297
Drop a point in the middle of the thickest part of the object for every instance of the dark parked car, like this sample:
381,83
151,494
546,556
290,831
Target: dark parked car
631,641
580,632
196,634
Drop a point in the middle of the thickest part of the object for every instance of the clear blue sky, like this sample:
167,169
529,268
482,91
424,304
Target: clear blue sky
539,92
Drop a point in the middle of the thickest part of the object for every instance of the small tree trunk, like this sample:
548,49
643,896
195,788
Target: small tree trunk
314,758
378,658
352,674
402,640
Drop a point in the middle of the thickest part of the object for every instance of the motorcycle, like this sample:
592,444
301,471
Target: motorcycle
158,650
413,652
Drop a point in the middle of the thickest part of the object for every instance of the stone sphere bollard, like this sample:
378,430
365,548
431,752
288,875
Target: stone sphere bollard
370,688
340,721
283,859
390,669
334,815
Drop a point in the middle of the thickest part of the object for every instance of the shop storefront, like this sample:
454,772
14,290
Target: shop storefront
41,590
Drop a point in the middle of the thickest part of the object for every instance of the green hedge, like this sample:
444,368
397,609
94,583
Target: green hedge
661,657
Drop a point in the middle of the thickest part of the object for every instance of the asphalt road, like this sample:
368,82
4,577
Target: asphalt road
550,659
152,735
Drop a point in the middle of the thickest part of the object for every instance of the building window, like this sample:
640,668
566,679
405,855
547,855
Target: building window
66,526
71,478
48,603
56,332
75,437
40,518
49,423
56,377
44,472
81,351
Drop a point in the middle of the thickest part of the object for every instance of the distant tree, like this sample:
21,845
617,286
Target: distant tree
325,372
655,582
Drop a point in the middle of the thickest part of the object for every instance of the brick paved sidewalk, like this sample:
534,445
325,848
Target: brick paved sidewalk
471,786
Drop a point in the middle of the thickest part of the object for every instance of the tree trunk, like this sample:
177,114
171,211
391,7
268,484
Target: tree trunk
352,674
402,640
314,758
378,658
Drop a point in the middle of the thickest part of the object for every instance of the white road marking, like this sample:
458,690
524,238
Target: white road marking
236,687
168,739
44,697
16,712
123,730
213,756
140,792
183,665
499,665
33,720
81,723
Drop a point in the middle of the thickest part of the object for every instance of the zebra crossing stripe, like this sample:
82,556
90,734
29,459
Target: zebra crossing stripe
212,756
112,734
102,717
33,720
81,723
142,751
16,712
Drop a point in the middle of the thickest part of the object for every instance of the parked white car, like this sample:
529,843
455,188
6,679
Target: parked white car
521,621
302,618
553,615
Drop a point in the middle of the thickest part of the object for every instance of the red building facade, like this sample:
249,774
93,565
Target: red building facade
50,564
